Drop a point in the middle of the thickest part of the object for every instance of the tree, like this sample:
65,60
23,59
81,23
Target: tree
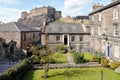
44,55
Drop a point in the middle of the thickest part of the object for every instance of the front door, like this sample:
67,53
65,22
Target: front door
65,39
107,50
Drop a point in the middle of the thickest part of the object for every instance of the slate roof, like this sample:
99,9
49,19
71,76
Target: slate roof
59,27
16,26
106,7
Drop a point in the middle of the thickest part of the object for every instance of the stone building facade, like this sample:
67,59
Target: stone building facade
7,48
105,29
21,34
71,35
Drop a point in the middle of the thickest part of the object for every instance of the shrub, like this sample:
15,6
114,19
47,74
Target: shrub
35,59
104,62
114,65
117,70
79,57
16,72
95,58
61,49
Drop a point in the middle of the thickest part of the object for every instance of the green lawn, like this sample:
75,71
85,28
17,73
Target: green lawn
73,74
60,58
88,56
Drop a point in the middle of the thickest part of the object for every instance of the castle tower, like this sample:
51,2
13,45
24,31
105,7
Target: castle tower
24,14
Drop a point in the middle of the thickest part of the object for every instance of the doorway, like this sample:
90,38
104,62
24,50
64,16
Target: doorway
65,39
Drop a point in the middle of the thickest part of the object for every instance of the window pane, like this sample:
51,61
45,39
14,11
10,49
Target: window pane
116,51
81,38
72,38
57,37
116,32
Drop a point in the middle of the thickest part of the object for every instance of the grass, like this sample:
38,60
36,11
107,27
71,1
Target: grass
60,58
73,74
88,56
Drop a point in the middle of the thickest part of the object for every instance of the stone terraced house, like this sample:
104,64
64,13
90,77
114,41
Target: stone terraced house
72,35
105,29
21,34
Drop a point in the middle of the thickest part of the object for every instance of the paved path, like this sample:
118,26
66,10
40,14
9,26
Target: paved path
70,59
4,65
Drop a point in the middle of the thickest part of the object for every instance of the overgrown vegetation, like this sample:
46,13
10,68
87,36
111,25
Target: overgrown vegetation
59,58
105,62
61,49
114,65
78,57
15,73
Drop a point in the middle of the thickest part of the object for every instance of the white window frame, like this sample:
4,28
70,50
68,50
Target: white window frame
100,17
99,30
115,13
92,30
92,17
116,51
116,32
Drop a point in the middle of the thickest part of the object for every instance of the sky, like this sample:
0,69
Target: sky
10,10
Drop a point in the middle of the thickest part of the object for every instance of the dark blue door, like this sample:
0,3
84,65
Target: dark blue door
108,50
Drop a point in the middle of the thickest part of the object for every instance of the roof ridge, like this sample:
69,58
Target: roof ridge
15,26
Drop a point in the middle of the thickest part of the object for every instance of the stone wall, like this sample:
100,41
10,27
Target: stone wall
2,48
15,36
29,38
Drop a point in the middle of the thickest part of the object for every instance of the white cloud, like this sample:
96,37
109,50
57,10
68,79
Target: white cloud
9,1
9,14
74,7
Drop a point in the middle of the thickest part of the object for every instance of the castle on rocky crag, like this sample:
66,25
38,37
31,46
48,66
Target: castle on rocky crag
36,16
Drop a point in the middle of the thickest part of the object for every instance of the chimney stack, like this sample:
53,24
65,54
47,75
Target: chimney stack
113,1
97,6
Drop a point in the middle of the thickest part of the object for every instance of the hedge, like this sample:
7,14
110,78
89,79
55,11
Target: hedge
16,72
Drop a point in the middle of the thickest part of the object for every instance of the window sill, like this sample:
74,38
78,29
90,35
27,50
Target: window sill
115,18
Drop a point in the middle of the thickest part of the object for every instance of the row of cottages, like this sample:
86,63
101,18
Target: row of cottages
105,29
19,33
73,36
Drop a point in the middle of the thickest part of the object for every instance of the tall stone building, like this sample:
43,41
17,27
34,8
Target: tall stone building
105,29
36,16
